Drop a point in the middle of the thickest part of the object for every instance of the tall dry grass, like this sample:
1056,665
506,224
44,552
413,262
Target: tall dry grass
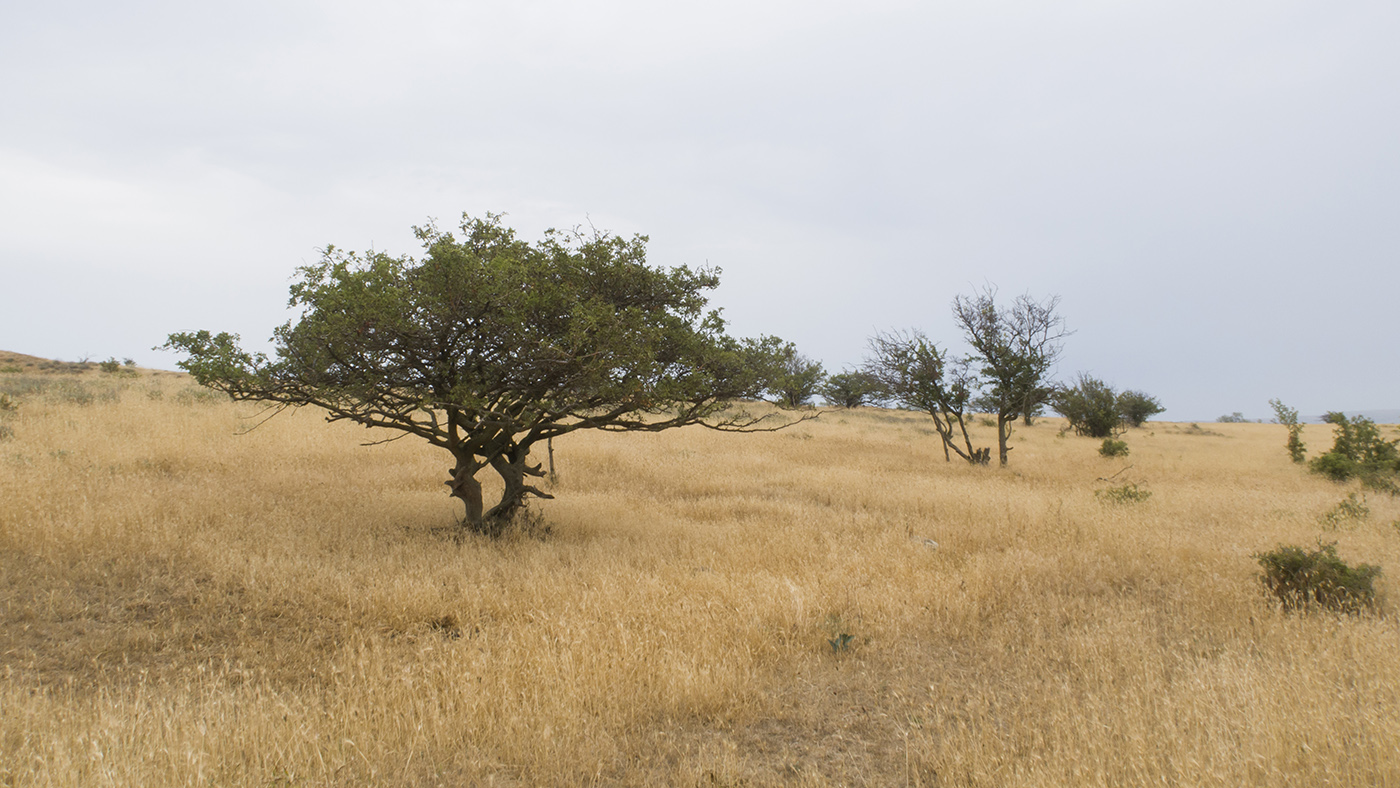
184,604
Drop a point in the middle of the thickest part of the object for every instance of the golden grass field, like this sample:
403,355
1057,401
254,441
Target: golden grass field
184,604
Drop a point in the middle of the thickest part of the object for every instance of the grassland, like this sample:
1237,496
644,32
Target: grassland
186,602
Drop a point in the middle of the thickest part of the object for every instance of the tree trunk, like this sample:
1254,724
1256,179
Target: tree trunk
1004,423
513,469
464,486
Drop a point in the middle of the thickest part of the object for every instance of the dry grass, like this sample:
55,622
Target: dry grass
181,604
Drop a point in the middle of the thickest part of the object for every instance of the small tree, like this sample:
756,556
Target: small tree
1135,407
797,378
1016,347
1091,407
1289,418
1233,418
917,374
852,389
490,345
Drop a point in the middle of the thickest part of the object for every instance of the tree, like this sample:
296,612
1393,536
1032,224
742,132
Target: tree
1017,347
797,378
852,389
1090,406
489,345
1289,418
915,373
1136,407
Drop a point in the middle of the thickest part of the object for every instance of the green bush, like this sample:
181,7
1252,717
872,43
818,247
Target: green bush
1090,406
1349,510
1233,418
1136,407
1113,448
1304,579
1359,451
1128,493
1288,417
852,389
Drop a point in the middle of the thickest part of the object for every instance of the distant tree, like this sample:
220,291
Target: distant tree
797,378
1016,348
852,389
1091,407
1136,407
916,374
1233,418
489,345
1288,417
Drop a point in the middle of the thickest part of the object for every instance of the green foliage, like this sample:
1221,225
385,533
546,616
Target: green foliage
1349,510
917,374
489,344
1359,451
110,365
1135,408
1113,448
852,389
1289,418
1017,346
7,403
1304,579
11,369
797,379
1091,407
1126,494
1233,418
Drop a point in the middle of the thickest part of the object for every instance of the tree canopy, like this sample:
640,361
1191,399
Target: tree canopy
489,345
915,373
1017,347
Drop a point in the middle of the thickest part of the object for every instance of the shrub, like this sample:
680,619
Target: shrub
1304,579
1135,407
1350,510
1128,493
110,365
1113,448
1358,450
1289,418
852,389
1233,418
1090,406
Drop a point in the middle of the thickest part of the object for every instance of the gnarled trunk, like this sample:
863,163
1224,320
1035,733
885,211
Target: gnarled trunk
513,468
465,486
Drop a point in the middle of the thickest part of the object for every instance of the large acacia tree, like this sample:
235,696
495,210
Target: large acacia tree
489,344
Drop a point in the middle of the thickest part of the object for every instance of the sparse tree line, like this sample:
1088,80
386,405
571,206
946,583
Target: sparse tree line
489,345
1006,375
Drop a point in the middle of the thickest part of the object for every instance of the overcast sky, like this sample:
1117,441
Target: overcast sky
1213,189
